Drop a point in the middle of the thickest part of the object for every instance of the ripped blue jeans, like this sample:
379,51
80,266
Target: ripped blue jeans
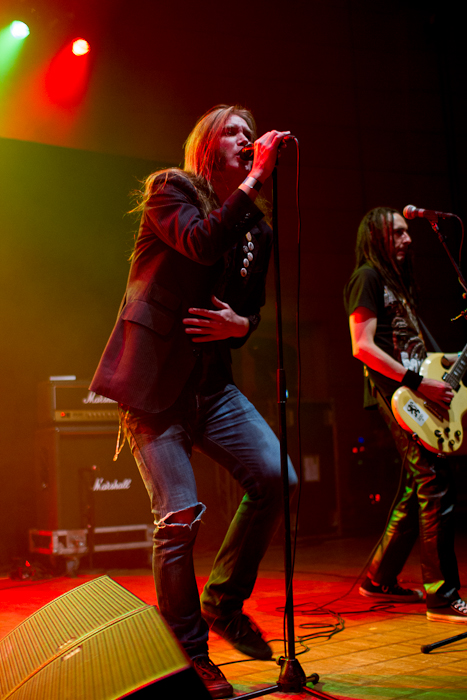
226,427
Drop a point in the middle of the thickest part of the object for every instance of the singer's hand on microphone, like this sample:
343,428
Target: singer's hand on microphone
266,149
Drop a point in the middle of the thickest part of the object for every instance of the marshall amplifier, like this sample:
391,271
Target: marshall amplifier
78,486
78,482
68,400
80,489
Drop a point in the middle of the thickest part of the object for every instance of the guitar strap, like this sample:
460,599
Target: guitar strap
427,333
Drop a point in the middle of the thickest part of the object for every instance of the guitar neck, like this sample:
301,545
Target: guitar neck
454,377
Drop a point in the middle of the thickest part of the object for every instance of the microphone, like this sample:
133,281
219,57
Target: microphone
411,212
248,151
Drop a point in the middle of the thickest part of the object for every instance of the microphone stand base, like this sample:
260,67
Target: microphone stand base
292,679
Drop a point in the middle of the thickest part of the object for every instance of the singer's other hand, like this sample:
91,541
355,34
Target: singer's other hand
265,158
219,324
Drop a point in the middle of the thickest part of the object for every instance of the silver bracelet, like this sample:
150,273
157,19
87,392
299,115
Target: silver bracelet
252,183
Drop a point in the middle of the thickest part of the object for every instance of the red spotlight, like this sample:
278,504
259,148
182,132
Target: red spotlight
80,47
67,78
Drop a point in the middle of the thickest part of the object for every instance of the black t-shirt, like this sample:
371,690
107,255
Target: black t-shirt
397,331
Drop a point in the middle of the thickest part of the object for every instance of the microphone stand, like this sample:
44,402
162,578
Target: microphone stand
426,648
442,240
292,678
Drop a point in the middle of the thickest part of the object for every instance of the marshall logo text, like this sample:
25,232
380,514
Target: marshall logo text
94,398
101,485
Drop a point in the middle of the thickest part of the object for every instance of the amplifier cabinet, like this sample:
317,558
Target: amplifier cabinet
77,483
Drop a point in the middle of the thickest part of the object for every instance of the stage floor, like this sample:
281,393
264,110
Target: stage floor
375,656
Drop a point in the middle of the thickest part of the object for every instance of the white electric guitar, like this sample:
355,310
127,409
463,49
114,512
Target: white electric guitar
439,429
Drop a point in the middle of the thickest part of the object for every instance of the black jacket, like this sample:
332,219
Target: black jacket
180,260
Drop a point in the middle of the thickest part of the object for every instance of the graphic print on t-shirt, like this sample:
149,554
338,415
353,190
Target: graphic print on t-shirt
408,344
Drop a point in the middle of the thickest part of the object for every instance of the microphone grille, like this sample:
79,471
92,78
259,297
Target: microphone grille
409,211
247,152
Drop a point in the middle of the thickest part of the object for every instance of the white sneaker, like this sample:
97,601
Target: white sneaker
455,612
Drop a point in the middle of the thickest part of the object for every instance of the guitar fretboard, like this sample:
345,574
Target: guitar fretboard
454,377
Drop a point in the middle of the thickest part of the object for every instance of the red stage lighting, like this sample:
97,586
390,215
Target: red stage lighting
80,47
67,77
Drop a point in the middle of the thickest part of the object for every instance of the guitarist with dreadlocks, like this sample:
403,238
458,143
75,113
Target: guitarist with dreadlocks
386,337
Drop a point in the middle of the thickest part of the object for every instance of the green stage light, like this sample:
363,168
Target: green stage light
10,46
19,30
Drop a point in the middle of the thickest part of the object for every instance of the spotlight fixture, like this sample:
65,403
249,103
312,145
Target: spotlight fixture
19,30
80,47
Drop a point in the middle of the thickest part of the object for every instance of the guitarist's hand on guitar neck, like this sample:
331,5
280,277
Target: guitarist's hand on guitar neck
437,391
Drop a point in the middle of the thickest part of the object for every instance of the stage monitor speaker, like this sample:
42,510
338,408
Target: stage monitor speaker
96,642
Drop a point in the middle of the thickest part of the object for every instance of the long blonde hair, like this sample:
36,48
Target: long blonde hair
201,158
